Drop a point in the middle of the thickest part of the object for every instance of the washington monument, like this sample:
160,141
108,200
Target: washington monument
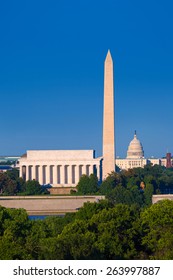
108,118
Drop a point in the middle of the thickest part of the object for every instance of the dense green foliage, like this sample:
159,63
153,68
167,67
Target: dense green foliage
131,186
87,185
11,184
124,226
96,231
122,187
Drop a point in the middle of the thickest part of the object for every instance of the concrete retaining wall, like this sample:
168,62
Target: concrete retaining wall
158,197
47,205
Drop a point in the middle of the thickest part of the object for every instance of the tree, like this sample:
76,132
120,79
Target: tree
93,184
20,185
13,174
108,234
76,241
15,226
87,185
7,185
83,185
39,231
116,232
157,230
127,196
33,187
148,192
89,209
110,183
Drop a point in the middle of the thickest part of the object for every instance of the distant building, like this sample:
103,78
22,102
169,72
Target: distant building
168,160
9,158
135,157
4,168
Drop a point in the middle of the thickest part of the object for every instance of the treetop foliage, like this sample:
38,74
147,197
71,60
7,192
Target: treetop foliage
123,226
97,231
131,186
11,184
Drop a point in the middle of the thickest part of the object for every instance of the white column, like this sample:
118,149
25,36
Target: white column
40,175
37,172
69,174
90,169
59,173
76,174
83,168
62,174
73,174
27,172
47,174
20,171
30,172
55,175
33,172
98,171
24,172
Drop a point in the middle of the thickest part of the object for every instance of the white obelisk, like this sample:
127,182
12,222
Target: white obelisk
108,119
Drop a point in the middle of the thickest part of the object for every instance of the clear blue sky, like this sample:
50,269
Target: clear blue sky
51,74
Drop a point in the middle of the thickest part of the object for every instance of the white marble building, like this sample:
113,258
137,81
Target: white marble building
59,167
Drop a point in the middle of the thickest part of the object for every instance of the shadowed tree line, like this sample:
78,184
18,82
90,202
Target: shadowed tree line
97,231
11,184
123,226
135,185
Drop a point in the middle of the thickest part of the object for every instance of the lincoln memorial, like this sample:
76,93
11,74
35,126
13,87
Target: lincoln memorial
59,168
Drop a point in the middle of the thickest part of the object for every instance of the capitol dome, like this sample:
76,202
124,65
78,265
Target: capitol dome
135,149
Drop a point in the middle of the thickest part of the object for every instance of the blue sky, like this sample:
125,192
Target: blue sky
51,74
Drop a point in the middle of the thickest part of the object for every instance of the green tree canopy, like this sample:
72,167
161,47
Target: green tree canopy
87,185
15,226
157,228
108,234
8,186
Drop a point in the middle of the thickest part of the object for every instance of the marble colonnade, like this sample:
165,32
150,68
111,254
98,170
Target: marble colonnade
59,167
57,175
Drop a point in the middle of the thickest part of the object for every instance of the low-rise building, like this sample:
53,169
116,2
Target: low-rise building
4,168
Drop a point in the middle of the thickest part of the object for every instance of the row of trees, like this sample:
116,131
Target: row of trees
135,185
96,231
124,226
11,184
